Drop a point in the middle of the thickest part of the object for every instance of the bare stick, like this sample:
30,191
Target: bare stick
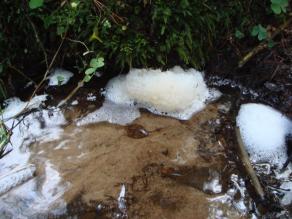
25,109
38,40
48,69
82,43
246,163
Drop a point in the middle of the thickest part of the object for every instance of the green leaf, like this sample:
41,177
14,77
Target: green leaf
239,34
97,63
255,31
60,79
263,34
1,68
93,63
33,4
279,6
87,78
100,61
271,44
61,30
276,8
260,32
107,24
90,71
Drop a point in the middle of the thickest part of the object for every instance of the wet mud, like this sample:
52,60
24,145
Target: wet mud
170,168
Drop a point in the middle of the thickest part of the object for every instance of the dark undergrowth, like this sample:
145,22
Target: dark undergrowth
126,33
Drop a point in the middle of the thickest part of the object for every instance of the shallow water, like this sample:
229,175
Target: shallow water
155,167
117,162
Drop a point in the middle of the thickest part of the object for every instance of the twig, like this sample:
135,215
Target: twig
48,69
41,82
101,7
82,43
262,45
21,73
246,163
38,40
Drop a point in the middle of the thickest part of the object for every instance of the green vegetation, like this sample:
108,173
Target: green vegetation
4,138
126,33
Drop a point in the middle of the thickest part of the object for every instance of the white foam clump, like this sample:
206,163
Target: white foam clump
39,126
16,177
34,200
263,131
213,185
112,113
57,74
121,198
14,105
176,92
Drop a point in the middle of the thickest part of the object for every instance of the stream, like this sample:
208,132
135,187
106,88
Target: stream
94,159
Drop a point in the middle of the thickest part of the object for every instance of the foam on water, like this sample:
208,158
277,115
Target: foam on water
14,105
263,130
176,92
112,113
213,185
39,126
59,77
30,201
240,204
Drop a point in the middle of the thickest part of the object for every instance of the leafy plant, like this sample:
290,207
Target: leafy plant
279,6
260,32
94,64
126,33
33,4
60,79
4,139
239,34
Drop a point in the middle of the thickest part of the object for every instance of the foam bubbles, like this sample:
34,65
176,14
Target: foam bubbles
14,105
263,130
59,77
176,93
112,113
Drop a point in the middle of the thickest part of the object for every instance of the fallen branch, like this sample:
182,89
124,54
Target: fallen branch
262,45
247,165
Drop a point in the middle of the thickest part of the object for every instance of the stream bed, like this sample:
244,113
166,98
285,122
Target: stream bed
87,161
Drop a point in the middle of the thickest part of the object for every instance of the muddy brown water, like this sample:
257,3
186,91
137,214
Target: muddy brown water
163,163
